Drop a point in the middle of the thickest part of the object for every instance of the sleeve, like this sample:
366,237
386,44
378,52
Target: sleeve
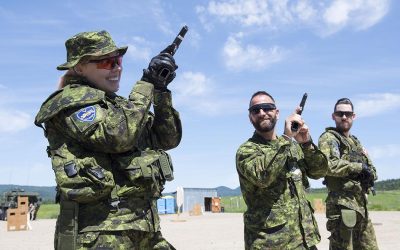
106,127
316,163
338,167
167,126
261,167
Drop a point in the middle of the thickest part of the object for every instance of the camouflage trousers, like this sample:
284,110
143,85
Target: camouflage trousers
263,240
128,239
363,234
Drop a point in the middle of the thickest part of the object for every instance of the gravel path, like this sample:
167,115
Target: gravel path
205,232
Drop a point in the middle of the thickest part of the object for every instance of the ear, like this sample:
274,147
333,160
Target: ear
333,116
354,116
277,114
78,69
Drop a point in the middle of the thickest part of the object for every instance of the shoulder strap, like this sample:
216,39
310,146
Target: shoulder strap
338,136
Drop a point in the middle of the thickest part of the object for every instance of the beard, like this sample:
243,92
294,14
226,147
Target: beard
263,125
343,127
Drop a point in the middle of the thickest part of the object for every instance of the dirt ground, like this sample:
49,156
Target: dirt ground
205,232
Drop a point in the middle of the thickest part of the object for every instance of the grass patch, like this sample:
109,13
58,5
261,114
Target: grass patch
48,211
383,201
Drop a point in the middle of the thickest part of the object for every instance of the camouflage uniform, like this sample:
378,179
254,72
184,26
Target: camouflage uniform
346,155
273,177
107,156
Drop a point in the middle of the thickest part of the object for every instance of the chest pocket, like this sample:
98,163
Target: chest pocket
146,173
80,179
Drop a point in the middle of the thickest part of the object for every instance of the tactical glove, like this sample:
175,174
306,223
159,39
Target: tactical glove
161,70
365,174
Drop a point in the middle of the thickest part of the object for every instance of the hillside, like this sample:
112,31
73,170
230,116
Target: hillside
47,193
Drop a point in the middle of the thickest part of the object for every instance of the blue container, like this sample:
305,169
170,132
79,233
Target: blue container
170,205
161,206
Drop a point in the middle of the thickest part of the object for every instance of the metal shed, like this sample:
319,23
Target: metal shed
202,196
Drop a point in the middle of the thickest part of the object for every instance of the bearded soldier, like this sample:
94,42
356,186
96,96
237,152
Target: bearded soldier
350,177
273,173
107,151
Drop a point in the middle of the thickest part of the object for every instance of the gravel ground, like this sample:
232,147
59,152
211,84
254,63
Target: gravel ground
205,232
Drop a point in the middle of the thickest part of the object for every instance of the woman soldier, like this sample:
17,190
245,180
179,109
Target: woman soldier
107,151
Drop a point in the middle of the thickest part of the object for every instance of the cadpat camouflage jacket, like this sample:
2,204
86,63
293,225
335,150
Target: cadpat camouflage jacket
345,156
273,177
105,152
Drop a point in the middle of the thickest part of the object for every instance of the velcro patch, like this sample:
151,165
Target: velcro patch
87,114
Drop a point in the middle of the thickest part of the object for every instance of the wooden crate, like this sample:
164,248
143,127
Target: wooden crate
319,206
17,218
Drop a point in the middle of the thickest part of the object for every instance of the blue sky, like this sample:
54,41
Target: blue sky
329,49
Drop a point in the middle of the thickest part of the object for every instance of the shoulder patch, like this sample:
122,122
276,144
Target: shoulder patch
87,114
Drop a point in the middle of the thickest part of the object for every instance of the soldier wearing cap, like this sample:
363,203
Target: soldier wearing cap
107,151
349,179
273,173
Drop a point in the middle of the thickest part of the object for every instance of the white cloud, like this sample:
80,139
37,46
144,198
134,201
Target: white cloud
360,14
193,84
238,57
14,121
138,49
374,104
325,18
385,151
203,95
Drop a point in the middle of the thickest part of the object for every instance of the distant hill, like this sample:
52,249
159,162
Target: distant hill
48,193
225,191
386,185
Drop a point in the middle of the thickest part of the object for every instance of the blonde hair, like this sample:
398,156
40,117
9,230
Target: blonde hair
61,82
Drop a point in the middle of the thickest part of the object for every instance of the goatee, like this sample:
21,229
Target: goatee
265,128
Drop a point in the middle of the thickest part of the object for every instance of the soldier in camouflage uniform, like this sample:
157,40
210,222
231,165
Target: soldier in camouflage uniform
273,173
349,178
107,151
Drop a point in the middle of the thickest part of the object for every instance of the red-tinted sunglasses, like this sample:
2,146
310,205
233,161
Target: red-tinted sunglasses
108,63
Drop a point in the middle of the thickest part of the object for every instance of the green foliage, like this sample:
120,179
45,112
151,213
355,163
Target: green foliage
383,201
233,204
387,185
48,211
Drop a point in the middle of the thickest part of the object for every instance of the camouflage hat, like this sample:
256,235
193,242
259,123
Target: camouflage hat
94,43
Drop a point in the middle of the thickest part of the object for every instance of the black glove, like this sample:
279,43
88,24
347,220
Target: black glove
161,70
365,174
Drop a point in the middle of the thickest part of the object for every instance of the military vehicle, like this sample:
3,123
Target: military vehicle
9,200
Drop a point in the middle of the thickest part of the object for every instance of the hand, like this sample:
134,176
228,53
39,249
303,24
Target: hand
161,70
302,135
365,174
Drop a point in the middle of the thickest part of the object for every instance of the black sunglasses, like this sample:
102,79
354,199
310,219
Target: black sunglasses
255,109
348,114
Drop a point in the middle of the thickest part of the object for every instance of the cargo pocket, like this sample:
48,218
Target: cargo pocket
81,180
87,239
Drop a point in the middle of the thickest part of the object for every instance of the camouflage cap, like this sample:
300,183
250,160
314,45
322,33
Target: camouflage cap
94,43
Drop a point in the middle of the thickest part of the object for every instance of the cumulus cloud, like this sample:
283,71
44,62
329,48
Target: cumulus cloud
359,14
385,151
374,104
193,84
14,121
239,57
138,49
326,18
202,95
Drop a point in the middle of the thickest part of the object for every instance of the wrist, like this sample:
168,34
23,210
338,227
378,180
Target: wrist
287,138
307,145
